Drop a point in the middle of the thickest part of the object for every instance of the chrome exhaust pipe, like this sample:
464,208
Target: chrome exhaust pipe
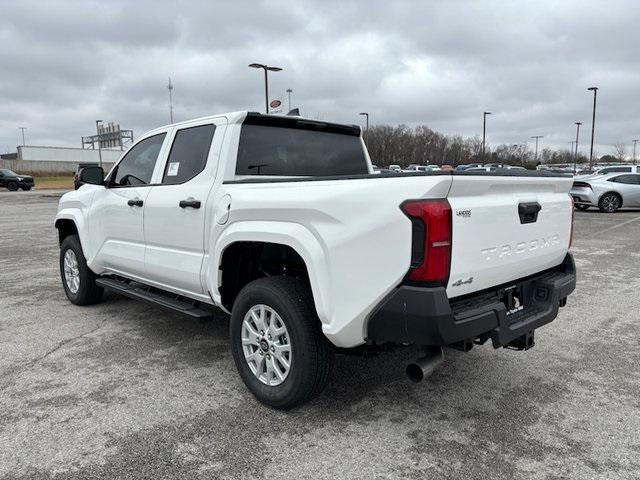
423,367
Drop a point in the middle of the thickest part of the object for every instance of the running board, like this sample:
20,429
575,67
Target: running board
155,296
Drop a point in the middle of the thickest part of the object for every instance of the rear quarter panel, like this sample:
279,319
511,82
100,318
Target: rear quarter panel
358,240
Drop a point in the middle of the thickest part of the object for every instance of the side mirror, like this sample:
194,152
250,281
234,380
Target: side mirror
92,175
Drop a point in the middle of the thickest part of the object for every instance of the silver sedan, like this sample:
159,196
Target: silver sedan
607,192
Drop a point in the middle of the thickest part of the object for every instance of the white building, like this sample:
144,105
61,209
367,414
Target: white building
56,160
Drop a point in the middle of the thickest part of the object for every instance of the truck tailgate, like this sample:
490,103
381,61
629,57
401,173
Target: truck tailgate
506,228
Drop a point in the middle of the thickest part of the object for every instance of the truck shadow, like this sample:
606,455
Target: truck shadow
354,380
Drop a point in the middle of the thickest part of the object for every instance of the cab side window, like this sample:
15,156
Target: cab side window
604,171
626,179
188,155
136,168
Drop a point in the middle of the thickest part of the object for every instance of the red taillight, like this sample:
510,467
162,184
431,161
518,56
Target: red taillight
434,259
573,216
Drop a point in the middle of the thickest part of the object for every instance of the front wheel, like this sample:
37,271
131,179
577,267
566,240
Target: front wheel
610,202
277,343
12,186
78,280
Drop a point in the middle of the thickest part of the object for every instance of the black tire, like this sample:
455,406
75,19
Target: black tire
12,186
26,189
610,202
582,207
88,291
311,353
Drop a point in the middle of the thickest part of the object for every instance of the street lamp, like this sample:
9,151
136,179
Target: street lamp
484,131
98,122
593,123
366,132
266,69
575,156
289,91
537,137
23,129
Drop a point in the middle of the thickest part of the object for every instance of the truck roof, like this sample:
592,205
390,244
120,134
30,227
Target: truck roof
240,116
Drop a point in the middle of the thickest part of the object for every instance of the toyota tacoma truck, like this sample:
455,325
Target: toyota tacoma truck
280,222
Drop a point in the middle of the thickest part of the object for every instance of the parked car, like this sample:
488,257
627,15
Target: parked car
76,177
481,169
447,168
422,168
280,222
395,168
13,181
607,192
600,170
513,167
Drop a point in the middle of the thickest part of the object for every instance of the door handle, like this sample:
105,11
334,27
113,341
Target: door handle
528,212
189,203
135,202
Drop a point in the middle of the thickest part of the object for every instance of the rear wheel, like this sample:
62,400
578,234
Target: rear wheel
277,343
610,202
78,280
12,186
26,189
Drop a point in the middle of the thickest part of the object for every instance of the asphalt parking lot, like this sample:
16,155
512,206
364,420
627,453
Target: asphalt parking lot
122,390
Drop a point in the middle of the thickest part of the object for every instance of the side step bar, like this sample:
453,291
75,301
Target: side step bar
154,296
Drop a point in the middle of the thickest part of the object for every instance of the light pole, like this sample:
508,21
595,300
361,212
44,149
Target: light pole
575,156
593,123
23,129
484,131
634,151
537,137
266,69
289,91
170,88
98,122
366,132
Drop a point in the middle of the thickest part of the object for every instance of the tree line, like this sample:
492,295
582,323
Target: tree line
403,145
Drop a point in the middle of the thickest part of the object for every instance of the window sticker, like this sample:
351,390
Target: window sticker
173,169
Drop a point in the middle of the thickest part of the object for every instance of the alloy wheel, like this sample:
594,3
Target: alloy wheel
71,271
266,345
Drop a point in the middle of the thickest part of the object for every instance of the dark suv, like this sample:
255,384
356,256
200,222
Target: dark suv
12,181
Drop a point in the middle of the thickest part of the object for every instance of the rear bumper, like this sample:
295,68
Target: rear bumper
425,316
584,196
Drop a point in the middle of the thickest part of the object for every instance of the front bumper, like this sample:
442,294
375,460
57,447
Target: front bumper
425,316
25,182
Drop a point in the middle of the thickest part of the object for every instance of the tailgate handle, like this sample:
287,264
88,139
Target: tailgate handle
528,212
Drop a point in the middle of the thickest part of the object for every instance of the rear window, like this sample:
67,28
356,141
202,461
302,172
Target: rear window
299,149
189,154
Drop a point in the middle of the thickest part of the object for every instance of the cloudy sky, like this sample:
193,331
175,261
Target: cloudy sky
440,63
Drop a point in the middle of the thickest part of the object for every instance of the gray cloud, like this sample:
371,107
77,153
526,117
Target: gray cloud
439,63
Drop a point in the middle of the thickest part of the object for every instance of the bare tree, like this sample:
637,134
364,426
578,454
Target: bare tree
620,151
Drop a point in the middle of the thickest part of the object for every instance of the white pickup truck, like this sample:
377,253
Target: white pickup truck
281,222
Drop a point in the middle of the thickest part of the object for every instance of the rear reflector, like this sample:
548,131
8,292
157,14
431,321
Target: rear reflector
431,254
573,216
